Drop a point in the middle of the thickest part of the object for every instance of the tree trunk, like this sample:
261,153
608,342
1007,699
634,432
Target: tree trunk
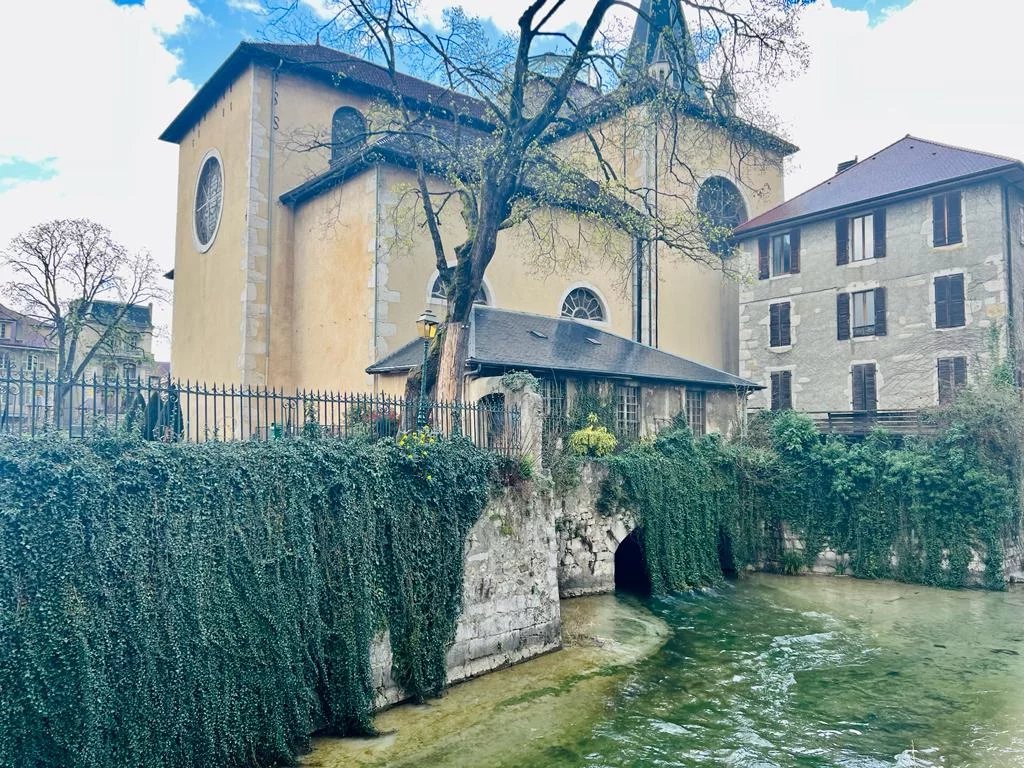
451,367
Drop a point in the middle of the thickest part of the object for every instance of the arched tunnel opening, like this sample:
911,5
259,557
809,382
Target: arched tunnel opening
631,566
725,555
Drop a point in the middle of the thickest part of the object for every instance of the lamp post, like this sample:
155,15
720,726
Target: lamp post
426,327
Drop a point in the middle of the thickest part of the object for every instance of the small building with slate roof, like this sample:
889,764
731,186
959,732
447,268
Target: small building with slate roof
889,286
640,389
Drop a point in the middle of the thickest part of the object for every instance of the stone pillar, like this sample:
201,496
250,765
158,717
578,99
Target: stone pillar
531,422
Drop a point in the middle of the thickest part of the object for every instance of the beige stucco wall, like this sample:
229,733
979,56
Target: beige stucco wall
283,294
333,293
207,323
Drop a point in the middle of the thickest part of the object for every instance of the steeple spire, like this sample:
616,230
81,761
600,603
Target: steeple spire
662,47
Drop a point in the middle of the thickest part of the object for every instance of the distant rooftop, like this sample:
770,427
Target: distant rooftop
908,166
504,339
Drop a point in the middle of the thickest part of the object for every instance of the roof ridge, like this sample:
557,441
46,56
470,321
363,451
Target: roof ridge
960,148
352,58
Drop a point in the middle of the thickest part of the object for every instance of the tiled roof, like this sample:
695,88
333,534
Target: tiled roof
908,166
501,338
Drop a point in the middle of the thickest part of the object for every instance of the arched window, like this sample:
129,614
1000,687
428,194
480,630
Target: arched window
583,304
439,292
348,131
723,209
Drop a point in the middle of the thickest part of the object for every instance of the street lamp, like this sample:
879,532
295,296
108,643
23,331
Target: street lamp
426,327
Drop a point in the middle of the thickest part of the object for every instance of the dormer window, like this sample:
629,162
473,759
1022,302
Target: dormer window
348,131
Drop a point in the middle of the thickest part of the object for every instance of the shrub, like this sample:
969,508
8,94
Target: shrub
592,440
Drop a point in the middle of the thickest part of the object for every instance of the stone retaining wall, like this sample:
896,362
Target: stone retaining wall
510,595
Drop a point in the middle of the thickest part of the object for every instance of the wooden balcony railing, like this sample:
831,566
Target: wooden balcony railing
912,422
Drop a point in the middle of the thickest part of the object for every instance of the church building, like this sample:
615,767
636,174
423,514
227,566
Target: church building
292,268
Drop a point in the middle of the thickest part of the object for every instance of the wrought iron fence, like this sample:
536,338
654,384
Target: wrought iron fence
160,409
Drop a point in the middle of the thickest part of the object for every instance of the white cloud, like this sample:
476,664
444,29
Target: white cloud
252,6
91,102
935,69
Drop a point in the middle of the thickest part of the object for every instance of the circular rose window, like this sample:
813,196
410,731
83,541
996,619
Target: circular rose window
209,199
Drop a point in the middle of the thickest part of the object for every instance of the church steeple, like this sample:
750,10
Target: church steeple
662,47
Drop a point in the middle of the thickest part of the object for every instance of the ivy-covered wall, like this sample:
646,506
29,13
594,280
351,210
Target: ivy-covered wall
213,605
922,509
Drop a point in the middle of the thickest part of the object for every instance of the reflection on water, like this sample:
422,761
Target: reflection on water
772,671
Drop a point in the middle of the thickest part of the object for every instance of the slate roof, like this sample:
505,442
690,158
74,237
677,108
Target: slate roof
137,315
26,333
339,68
504,339
904,168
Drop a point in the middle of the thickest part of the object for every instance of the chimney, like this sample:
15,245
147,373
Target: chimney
846,164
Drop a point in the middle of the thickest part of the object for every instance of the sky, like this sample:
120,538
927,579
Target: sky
83,112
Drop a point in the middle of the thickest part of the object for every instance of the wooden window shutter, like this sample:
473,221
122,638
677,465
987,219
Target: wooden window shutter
957,316
776,394
941,302
787,389
843,316
794,245
959,372
880,326
784,335
762,258
945,374
859,399
774,326
954,223
870,390
879,219
939,220
842,241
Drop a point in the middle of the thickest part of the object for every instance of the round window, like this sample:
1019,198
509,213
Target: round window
209,201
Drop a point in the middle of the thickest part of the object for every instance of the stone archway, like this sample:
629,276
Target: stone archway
631,566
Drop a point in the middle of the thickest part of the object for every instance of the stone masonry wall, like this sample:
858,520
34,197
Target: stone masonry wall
510,595
586,539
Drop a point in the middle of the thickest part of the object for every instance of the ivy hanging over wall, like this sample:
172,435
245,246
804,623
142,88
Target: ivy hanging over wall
915,509
214,605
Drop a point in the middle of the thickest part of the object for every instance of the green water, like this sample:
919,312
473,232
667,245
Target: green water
771,671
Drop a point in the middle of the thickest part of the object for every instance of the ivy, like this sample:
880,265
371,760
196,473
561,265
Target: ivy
215,604
913,509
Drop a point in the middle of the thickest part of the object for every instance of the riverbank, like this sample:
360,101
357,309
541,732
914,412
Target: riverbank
519,714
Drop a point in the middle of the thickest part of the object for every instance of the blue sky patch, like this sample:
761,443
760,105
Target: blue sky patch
876,8
17,170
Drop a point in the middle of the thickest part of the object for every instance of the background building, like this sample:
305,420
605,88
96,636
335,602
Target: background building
888,286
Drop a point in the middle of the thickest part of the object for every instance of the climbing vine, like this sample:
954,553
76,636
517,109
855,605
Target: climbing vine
915,509
215,604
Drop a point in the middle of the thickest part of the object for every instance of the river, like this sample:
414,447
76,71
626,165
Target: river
768,671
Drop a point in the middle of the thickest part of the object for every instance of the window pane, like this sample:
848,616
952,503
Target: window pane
782,256
862,237
863,313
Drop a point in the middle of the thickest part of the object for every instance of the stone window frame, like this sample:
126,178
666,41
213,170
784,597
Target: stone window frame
776,378
953,386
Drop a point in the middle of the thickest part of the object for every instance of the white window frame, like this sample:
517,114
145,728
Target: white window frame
862,237
786,243
6,330
870,294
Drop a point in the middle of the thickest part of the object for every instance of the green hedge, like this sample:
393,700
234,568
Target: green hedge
929,501
214,605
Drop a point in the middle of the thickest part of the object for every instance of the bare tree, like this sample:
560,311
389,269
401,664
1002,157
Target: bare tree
60,268
527,138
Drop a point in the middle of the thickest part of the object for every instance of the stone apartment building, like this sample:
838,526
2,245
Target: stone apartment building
889,286
26,346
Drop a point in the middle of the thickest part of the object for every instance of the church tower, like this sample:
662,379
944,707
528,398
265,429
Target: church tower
662,47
